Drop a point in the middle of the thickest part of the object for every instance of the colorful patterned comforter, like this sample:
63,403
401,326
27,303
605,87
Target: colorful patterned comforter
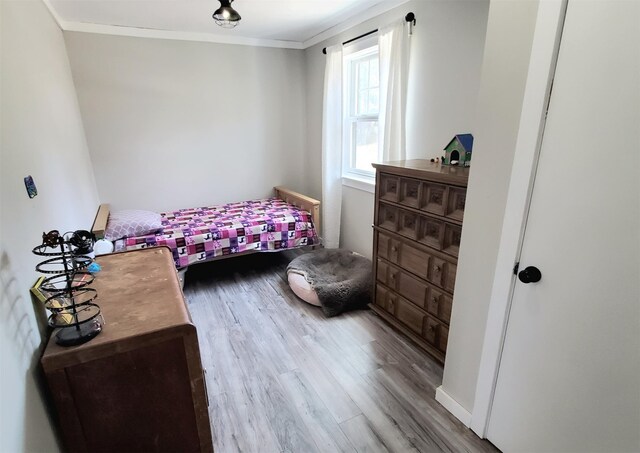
200,234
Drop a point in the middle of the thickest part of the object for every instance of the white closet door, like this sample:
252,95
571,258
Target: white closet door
569,378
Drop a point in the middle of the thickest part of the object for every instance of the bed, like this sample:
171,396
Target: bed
195,235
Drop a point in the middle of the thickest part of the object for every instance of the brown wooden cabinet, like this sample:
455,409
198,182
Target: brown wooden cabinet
139,385
417,228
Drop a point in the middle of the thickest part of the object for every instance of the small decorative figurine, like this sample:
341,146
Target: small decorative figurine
458,151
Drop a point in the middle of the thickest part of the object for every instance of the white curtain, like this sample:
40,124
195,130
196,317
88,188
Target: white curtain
332,148
393,43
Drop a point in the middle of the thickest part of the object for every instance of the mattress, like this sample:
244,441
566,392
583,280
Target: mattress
200,234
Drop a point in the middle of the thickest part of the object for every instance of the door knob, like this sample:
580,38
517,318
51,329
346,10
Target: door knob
530,274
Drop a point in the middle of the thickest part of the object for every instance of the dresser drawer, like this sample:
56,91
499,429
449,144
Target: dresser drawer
439,234
408,224
430,331
407,257
387,247
417,320
381,297
431,232
387,217
439,304
451,241
386,299
435,301
389,186
434,198
416,261
428,230
455,203
410,315
403,283
442,273
411,288
410,191
382,273
398,220
435,333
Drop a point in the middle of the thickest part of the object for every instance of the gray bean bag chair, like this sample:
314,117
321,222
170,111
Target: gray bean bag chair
335,279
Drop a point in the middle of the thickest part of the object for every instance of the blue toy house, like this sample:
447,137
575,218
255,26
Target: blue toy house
458,151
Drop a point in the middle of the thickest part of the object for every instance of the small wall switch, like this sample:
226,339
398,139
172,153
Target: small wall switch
32,191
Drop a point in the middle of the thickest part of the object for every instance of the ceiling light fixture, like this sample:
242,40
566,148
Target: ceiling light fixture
226,16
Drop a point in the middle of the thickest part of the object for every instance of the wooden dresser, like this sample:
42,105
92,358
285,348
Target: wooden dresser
419,208
139,385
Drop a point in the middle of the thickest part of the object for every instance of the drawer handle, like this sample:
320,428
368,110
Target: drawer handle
434,299
394,249
393,276
437,268
432,327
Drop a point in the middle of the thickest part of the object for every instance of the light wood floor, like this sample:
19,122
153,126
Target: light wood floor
283,378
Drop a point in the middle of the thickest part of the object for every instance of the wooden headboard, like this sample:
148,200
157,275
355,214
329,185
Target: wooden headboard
301,201
100,222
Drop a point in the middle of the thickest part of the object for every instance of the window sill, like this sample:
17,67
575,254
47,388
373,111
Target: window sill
360,183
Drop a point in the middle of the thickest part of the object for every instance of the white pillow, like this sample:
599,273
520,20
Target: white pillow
132,222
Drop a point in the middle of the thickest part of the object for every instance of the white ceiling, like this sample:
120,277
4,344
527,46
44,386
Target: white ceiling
284,23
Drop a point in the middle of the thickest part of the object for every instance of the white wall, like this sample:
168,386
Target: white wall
175,124
446,58
506,61
42,135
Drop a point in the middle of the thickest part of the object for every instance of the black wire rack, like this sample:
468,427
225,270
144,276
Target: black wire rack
68,295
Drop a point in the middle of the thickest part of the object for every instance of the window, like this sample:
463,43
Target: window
360,112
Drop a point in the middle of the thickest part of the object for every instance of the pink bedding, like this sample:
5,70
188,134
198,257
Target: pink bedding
200,234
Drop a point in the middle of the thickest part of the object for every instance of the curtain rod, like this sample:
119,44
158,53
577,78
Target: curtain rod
410,17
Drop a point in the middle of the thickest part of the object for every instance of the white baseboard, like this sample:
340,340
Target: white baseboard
453,406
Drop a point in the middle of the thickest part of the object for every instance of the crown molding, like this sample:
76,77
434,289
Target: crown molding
177,35
56,17
118,30
165,34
